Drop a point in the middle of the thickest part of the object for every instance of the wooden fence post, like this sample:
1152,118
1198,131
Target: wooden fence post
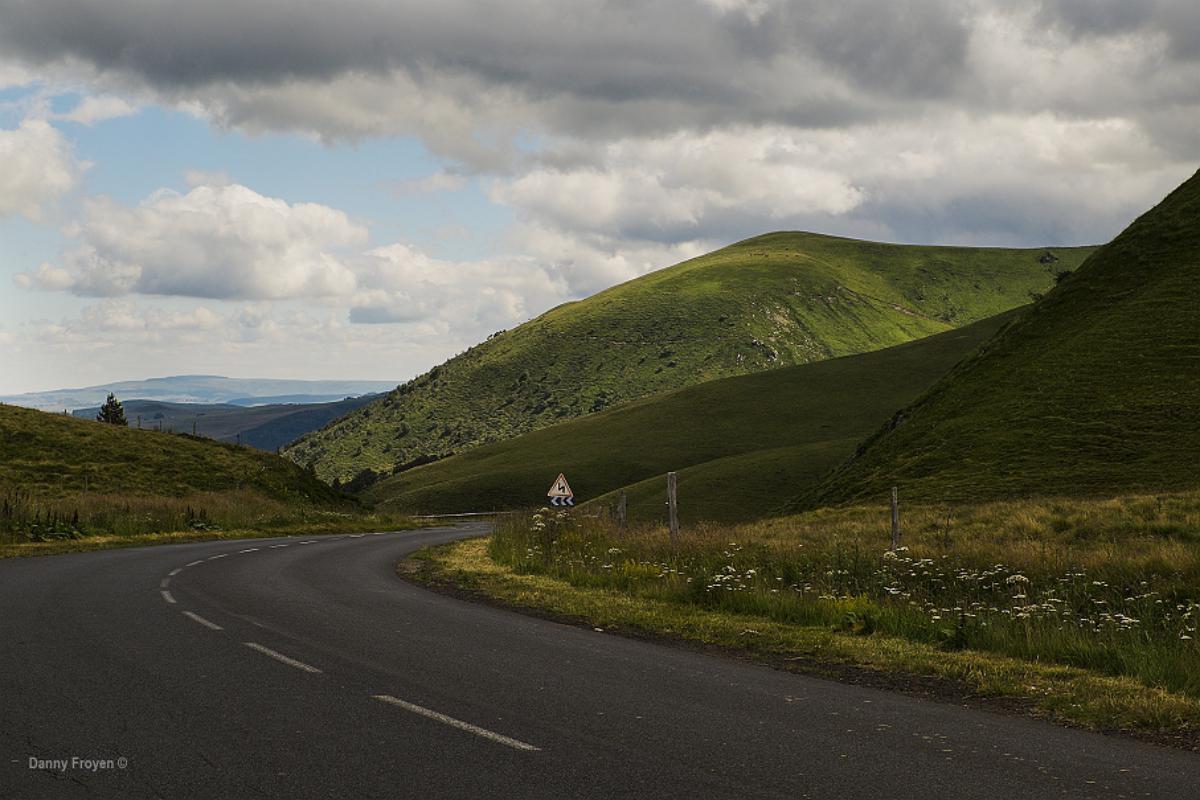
673,505
895,517
621,509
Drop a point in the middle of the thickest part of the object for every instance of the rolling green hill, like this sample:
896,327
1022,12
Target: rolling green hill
775,300
51,456
1095,391
742,445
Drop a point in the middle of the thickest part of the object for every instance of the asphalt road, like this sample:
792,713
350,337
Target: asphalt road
295,668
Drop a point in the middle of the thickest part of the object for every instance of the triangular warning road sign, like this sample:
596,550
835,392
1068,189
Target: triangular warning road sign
560,487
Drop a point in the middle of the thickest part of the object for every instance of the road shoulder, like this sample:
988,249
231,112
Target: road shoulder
1062,695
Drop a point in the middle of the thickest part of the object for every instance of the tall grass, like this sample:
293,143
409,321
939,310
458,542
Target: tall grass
1107,585
28,517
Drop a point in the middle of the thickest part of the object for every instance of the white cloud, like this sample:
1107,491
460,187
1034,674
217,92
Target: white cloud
215,242
97,108
228,242
198,177
429,184
401,284
638,204
12,75
670,189
37,167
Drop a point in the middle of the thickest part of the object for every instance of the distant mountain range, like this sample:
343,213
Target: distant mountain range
267,427
200,389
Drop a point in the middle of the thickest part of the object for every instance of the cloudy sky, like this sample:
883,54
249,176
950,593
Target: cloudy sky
333,189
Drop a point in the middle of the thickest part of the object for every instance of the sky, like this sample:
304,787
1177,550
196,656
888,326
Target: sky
361,189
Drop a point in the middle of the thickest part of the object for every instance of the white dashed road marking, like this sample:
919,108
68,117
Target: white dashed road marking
174,572
218,555
291,662
277,546
456,723
197,618
167,596
194,563
251,550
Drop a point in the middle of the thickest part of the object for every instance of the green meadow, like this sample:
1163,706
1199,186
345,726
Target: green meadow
71,484
743,446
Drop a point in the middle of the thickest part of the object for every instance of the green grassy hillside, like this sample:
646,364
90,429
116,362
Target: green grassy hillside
51,456
775,300
1095,391
743,445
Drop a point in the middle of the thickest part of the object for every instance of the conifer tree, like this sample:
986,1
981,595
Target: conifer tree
112,412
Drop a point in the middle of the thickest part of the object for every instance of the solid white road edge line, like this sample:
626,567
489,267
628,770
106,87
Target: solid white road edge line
516,744
291,662
197,618
167,596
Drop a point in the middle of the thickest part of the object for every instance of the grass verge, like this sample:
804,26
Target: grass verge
320,525
1066,694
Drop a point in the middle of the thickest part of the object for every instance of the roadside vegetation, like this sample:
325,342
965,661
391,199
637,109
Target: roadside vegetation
70,484
1046,600
32,525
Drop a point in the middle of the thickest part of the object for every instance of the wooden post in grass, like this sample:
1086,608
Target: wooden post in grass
622,508
895,517
673,505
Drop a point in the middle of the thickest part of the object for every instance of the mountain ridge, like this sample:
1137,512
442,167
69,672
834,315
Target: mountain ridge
773,300
1094,391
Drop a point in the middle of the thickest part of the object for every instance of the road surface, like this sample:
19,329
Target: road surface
303,668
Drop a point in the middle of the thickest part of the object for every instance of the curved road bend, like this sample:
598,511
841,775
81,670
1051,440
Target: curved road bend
298,668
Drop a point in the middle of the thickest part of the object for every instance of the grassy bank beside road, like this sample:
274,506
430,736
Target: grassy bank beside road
71,484
72,524
1081,609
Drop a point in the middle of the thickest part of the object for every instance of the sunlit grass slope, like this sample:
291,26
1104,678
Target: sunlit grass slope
1095,391
51,455
775,300
63,478
743,445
